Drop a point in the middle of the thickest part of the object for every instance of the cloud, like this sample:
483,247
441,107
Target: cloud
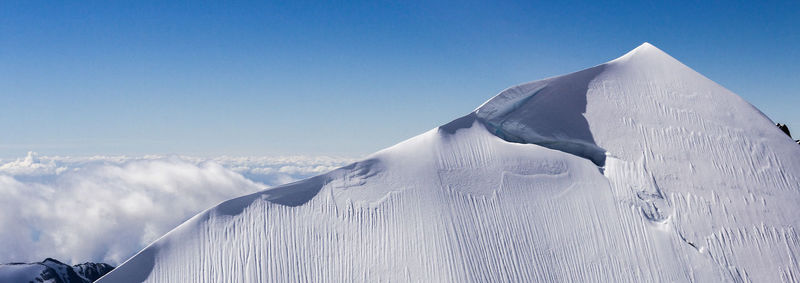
108,208
30,165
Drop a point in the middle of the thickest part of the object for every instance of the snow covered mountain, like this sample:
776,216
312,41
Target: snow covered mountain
639,169
51,270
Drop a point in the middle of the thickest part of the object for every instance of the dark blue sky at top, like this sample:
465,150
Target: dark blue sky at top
341,77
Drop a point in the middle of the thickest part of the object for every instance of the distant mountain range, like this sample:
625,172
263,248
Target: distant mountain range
54,271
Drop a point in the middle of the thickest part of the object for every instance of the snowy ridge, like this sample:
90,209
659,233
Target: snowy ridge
696,185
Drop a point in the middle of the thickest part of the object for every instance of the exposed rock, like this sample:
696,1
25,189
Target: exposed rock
784,128
91,270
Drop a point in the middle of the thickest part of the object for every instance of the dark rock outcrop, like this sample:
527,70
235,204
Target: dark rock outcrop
91,270
784,128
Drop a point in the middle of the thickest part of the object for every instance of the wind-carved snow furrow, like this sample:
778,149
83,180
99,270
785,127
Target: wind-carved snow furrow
534,233
644,191
714,168
732,247
655,207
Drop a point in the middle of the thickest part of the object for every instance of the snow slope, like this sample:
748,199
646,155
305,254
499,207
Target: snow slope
639,169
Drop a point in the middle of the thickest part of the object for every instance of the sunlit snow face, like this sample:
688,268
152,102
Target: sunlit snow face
107,208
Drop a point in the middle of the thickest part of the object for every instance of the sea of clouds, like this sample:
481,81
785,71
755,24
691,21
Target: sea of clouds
107,208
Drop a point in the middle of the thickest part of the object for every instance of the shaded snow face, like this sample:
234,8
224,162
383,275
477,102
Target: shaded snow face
107,208
549,113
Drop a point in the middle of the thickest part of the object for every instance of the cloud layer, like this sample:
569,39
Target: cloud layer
108,208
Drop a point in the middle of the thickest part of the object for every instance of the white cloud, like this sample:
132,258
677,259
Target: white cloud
30,165
107,208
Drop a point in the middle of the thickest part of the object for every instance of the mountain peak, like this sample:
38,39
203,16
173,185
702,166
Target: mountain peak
645,50
646,45
641,152
553,112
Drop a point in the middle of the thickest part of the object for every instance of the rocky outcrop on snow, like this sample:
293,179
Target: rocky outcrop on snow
784,128
54,271
91,270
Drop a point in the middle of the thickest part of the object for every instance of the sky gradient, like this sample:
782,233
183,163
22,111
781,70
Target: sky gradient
345,78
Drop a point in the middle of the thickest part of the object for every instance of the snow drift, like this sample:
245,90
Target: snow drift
639,169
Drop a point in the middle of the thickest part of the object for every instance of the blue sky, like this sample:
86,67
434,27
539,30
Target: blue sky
256,78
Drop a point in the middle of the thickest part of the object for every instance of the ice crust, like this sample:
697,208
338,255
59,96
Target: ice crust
697,185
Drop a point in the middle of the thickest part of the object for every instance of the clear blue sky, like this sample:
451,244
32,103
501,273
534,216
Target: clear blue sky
341,77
